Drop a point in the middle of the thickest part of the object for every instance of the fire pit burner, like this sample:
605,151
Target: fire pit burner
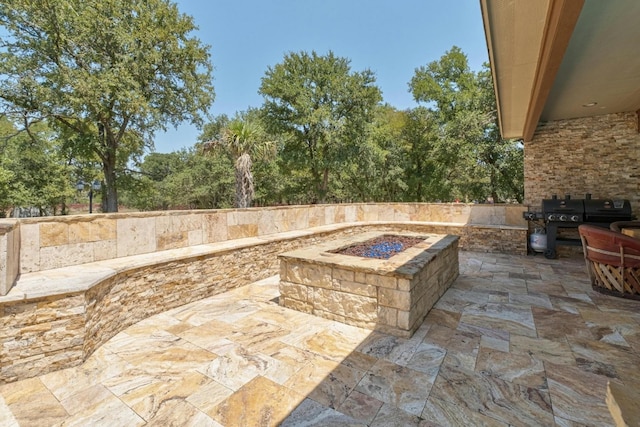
382,247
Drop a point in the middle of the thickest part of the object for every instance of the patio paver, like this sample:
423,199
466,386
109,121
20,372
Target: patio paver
515,341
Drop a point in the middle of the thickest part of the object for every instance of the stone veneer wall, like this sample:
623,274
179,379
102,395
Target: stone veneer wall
39,335
9,254
390,295
47,334
599,155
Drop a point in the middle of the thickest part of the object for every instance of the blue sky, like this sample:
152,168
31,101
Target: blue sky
390,37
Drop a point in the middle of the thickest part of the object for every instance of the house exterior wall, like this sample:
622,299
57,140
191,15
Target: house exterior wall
599,155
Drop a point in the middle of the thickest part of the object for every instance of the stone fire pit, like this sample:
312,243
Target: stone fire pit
391,295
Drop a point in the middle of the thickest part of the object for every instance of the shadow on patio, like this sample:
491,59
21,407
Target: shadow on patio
515,341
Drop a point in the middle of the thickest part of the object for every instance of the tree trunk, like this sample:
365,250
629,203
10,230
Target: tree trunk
494,184
324,189
110,202
244,181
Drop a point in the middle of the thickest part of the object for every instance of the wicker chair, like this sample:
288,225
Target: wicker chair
613,261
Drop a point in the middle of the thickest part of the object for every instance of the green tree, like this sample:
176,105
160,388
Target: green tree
425,171
321,108
503,157
270,181
181,180
242,138
6,191
110,72
478,161
214,129
376,172
11,190
34,171
148,189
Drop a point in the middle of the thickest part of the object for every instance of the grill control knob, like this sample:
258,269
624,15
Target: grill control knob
563,218
551,217
575,218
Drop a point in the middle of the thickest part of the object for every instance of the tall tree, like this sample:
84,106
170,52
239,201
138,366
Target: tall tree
376,173
322,109
426,170
183,179
34,171
111,72
479,162
242,138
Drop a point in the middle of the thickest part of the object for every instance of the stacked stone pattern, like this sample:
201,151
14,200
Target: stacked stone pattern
53,331
391,295
599,155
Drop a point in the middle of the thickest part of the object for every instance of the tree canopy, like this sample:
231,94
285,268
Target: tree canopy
106,74
88,83
334,141
322,109
478,161
34,171
242,138
183,179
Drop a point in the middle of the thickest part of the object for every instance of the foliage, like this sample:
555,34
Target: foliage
376,172
449,149
106,73
34,172
205,182
214,129
321,109
241,138
478,161
426,170
321,135
181,180
270,182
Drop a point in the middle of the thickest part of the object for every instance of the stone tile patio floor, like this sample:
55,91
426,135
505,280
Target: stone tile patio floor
515,341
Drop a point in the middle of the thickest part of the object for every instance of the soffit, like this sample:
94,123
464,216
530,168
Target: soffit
601,64
514,32
551,57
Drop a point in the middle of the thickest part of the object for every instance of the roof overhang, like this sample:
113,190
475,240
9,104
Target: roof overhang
553,59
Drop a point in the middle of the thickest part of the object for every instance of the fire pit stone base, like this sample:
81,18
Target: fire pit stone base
391,295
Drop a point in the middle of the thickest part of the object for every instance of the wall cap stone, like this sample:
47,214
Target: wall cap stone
81,277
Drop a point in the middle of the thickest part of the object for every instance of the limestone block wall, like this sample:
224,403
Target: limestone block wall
392,295
53,242
41,330
41,336
9,254
599,155
138,294
50,333
432,282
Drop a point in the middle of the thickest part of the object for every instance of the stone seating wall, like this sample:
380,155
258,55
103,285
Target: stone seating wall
71,283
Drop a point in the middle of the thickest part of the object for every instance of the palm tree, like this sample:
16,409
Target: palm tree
242,139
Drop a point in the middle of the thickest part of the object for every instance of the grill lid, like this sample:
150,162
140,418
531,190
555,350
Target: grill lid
605,209
583,210
563,206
